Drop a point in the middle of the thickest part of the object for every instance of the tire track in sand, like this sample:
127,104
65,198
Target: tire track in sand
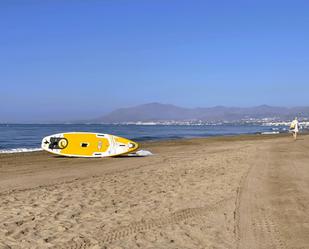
255,227
265,227
82,242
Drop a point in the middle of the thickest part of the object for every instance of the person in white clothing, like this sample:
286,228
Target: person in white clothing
294,128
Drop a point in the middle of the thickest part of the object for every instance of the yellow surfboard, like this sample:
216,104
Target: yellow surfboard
85,144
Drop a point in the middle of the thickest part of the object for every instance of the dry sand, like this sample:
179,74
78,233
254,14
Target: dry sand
240,192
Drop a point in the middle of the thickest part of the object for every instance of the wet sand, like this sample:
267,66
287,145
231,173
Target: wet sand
237,192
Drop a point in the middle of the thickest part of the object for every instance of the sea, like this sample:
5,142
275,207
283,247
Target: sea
15,138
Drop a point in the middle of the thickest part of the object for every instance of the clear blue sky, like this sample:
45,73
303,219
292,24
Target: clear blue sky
71,59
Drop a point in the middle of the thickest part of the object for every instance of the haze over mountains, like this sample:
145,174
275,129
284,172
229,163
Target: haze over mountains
166,112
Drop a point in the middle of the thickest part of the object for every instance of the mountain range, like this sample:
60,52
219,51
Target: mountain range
165,112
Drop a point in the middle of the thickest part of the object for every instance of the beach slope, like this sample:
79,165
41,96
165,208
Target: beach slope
235,192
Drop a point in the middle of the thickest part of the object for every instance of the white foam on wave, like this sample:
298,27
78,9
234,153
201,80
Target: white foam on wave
19,150
270,132
144,153
141,153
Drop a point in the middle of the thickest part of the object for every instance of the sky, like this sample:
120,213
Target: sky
80,59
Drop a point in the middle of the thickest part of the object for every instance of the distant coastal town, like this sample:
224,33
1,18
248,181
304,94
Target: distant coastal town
304,122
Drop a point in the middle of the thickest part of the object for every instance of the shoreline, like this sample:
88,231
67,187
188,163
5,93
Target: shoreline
192,193
36,149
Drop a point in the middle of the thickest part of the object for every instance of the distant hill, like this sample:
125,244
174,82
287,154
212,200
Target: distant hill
164,112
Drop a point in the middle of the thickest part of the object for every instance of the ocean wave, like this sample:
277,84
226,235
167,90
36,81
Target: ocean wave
270,132
19,150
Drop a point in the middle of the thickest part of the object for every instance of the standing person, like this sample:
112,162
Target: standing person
294,128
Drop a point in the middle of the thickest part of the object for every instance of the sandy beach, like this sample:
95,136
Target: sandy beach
243,192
